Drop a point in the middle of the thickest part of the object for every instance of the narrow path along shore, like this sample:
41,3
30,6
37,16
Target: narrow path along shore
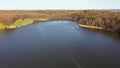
92,27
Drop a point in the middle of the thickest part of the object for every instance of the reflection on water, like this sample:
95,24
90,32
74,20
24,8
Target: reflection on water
1,30
58,44
6,31
110,34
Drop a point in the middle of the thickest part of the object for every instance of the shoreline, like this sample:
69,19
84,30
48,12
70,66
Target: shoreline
92,27
21,23
31,21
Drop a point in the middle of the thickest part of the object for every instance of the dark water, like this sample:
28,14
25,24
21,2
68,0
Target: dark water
114,10
58,44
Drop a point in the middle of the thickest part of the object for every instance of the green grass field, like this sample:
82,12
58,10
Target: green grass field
18,23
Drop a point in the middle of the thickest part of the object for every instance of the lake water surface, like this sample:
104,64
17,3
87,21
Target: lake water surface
58,44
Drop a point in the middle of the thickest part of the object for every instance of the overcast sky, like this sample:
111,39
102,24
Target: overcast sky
59,4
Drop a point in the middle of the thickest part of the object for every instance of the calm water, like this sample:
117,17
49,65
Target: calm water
115,10
58,44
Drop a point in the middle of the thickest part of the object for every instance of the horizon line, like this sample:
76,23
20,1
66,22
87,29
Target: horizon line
61,9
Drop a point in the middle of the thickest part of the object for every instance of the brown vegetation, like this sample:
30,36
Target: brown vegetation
104,19
97,18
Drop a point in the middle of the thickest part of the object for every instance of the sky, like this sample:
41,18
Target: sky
58,4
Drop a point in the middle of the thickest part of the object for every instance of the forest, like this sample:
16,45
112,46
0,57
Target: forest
98,18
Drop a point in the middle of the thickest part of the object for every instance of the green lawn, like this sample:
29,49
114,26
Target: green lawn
20,23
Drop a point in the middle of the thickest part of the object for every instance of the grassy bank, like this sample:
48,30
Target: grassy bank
17,23
2,26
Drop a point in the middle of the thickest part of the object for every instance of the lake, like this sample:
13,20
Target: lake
58,44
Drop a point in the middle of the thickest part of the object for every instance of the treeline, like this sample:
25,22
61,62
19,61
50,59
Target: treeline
99,18
104,19
9,17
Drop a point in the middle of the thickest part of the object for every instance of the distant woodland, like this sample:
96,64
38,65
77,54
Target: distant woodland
99,18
